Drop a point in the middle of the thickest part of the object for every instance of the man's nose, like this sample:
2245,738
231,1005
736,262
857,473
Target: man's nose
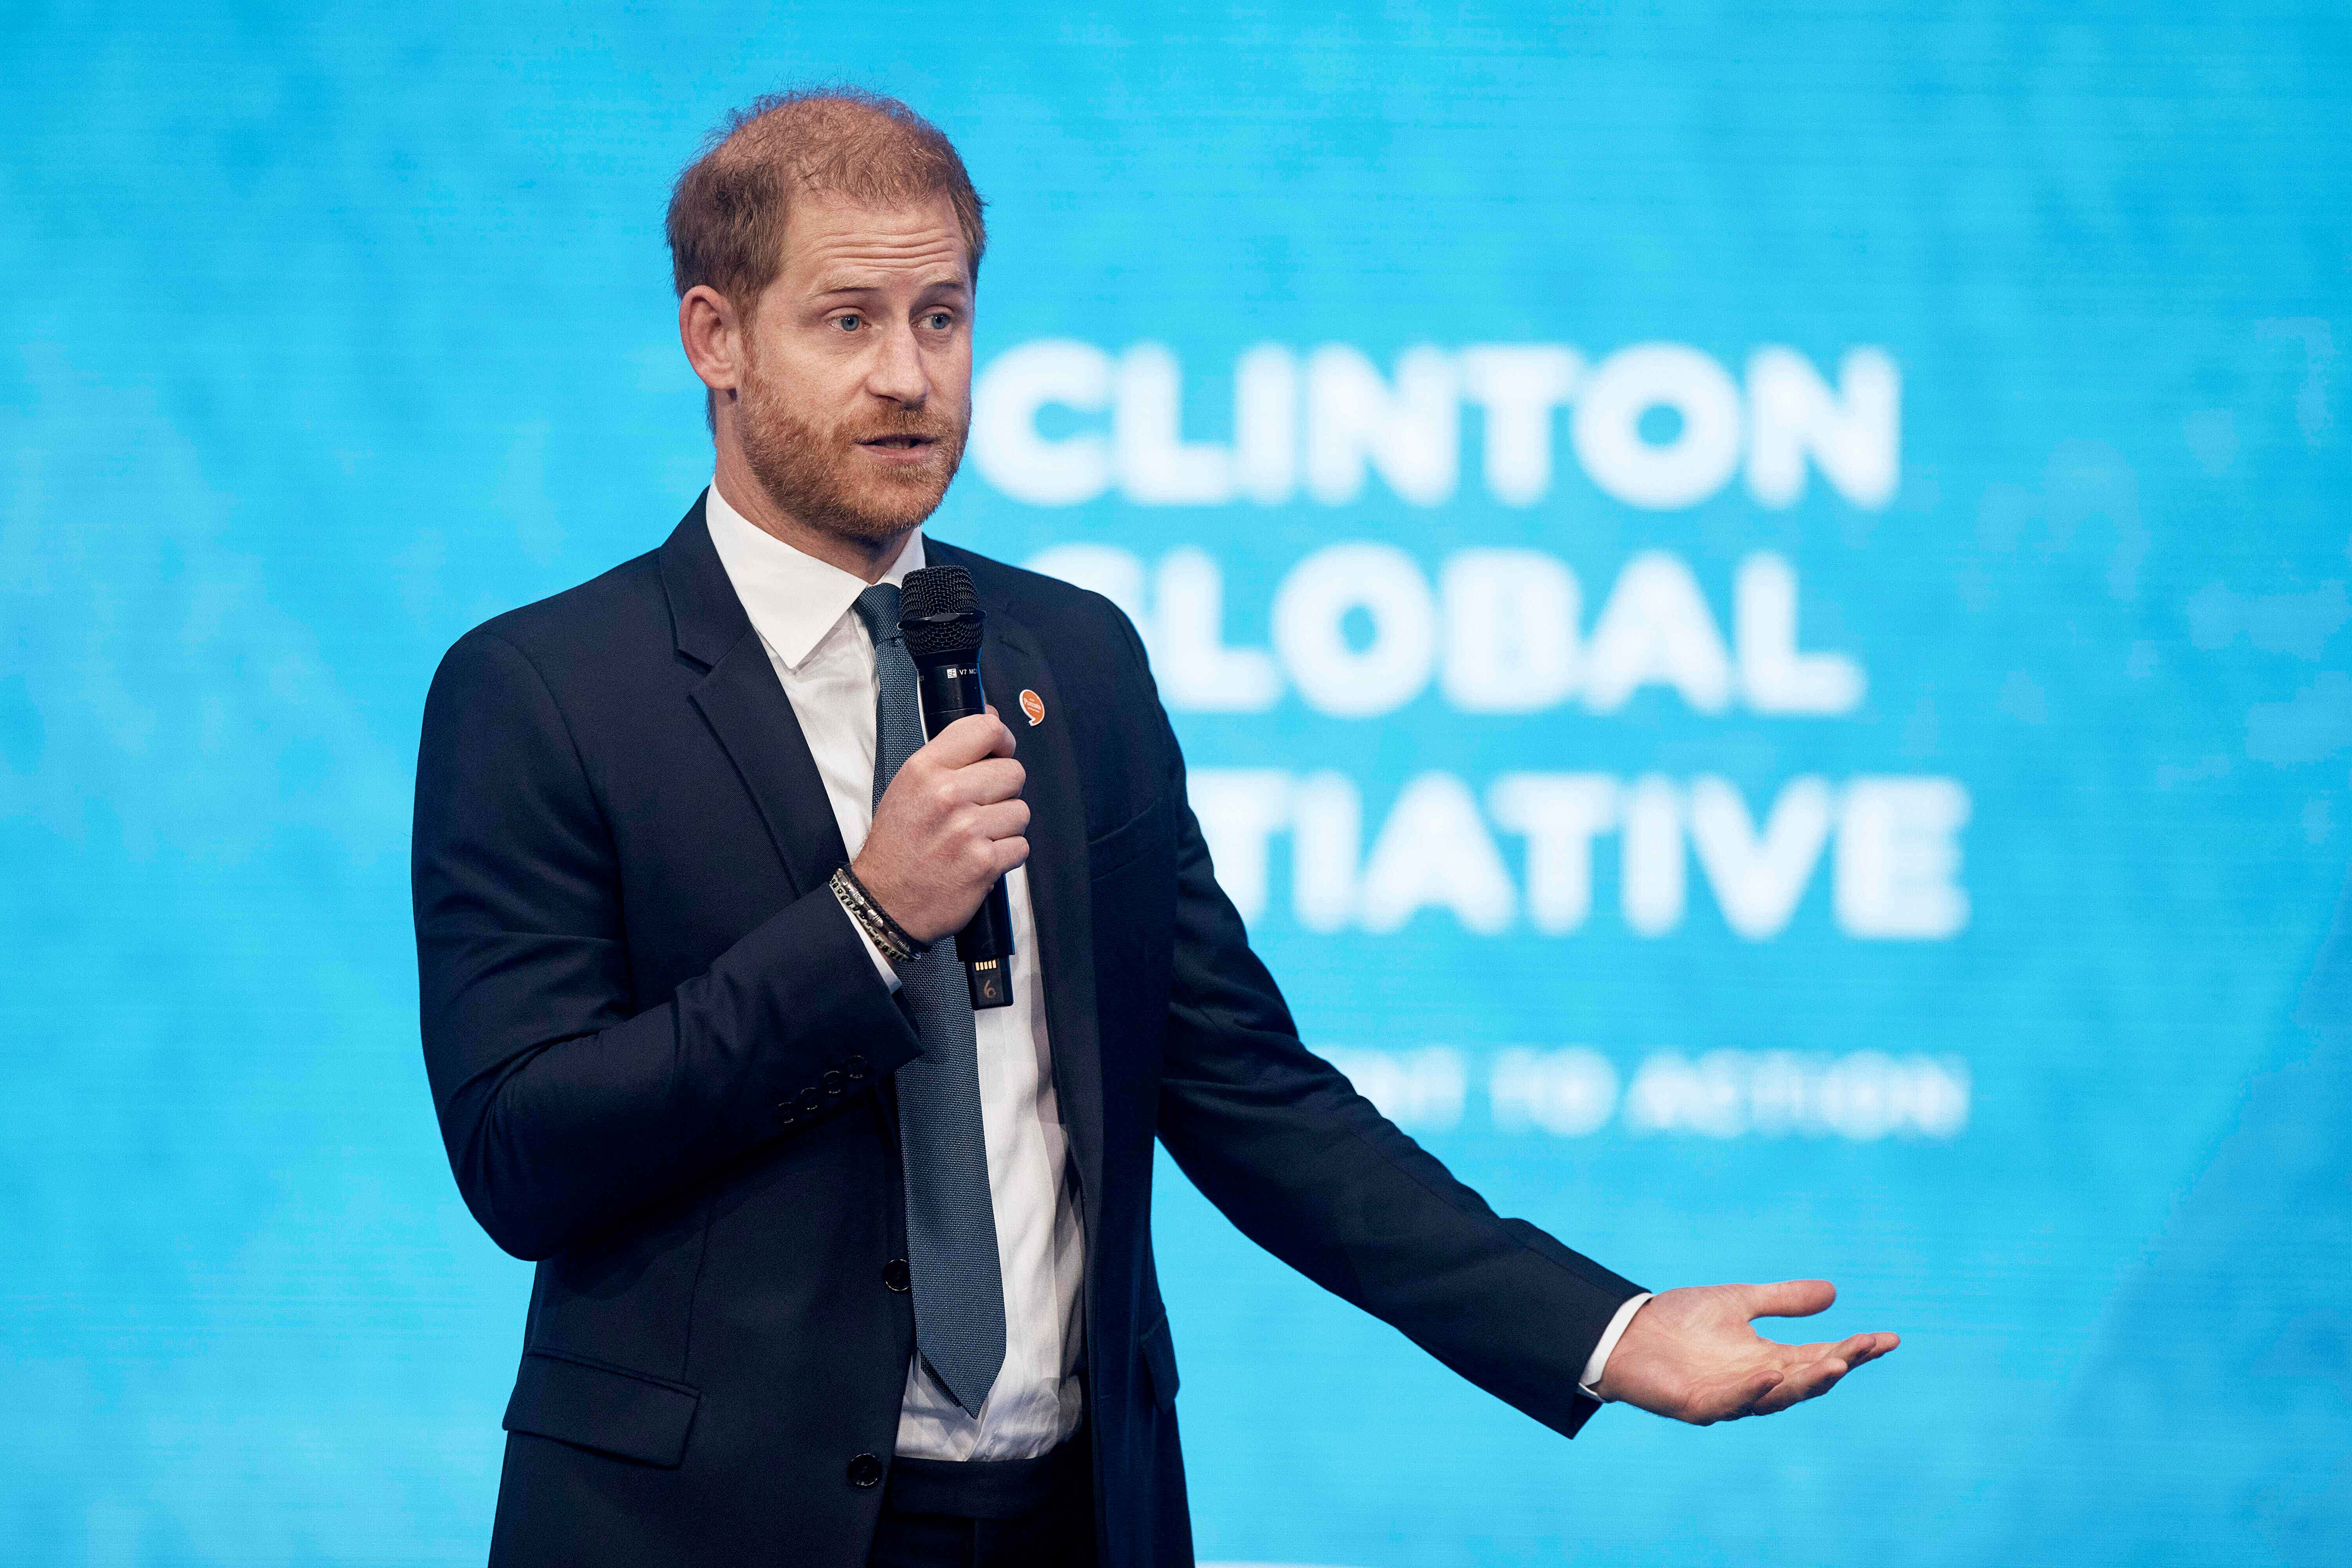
897,371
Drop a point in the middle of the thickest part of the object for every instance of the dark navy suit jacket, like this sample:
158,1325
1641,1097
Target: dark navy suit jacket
662,1062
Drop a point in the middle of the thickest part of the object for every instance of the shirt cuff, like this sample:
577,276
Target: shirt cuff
1597,1363
881,964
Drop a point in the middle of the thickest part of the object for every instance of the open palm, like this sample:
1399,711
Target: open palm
1692,1354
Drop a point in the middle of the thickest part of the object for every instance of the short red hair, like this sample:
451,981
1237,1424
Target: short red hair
727,212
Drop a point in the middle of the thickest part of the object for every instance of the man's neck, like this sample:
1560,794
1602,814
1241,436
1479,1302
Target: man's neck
864,559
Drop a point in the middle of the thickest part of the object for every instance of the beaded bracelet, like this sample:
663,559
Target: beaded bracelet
888,935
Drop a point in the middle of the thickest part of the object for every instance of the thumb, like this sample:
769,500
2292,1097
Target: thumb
1790,1298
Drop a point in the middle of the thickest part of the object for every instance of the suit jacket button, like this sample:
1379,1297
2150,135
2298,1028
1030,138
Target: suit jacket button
834,1082
784,1117
865,1471
895,1275
855,1068
810,1100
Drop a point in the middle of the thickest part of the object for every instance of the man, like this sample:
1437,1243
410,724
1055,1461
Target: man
831,1268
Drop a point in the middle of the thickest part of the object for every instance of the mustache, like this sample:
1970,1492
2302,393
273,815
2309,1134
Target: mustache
940,426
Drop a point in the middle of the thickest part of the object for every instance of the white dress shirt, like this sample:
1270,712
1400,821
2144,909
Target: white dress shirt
821,651
823,655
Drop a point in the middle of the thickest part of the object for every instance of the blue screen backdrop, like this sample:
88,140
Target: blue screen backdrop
1757,596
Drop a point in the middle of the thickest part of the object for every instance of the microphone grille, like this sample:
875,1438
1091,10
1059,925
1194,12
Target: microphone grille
938,612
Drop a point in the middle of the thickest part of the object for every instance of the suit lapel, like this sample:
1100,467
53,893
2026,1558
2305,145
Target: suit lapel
1059,888
754,720
746,707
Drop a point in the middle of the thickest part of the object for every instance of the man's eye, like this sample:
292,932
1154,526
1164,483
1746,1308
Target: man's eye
939,321
849,324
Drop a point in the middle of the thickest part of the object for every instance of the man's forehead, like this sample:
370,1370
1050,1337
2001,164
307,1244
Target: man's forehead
829,242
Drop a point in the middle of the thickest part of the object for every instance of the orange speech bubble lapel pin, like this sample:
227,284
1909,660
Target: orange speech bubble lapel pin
1032,705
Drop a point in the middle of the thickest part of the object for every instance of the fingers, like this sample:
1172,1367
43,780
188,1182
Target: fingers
1857,1349
1817,1369
1752,1395
1807,1382
985,781
1860,1348
969,738
1767,1391
989,780
1728,1401
1005,819
1789,1298
1853,1351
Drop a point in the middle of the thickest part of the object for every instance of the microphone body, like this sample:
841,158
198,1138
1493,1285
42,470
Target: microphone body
941,626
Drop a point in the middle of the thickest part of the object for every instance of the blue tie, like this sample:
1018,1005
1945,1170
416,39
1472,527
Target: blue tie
950,1222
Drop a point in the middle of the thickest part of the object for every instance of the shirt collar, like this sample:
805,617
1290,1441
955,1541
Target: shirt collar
792,598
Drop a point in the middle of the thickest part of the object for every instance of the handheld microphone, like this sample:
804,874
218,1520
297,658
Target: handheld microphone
940,620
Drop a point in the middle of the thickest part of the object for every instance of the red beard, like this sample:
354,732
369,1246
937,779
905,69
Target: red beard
816,475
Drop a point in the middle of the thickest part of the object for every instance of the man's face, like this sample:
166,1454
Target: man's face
857,387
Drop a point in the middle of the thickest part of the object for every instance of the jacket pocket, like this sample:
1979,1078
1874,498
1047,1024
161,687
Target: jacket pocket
1159,1360
607,1408
1146,830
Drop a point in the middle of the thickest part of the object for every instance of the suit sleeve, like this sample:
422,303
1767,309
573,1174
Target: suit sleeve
566,1107
1279,1140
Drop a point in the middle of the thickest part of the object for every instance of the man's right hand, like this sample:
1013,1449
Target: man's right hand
950,823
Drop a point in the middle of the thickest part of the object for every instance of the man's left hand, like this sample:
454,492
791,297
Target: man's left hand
1691,1354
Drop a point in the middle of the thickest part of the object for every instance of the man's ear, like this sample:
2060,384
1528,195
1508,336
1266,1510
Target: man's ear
711,332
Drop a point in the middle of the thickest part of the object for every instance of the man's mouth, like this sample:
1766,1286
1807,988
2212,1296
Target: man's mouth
898,443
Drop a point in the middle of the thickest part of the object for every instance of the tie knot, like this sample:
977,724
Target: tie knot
878,607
